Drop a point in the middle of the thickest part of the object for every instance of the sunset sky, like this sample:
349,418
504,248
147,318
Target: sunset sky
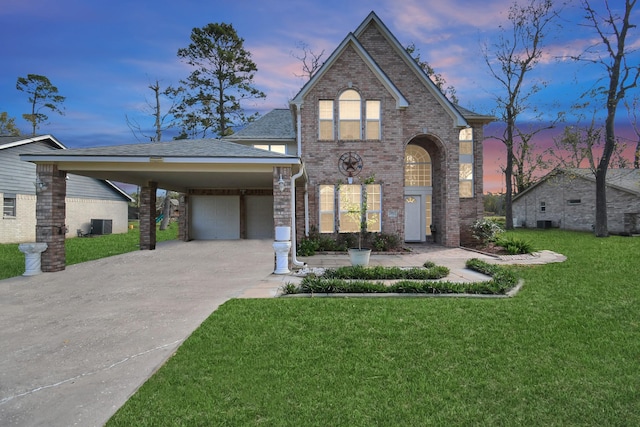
102,55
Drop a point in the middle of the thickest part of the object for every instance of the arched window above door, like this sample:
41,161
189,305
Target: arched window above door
417,167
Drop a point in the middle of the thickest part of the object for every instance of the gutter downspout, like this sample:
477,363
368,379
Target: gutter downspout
306,208
294,258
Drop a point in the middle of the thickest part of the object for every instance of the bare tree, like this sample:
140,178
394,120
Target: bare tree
611,53
632,111
526,160
579,145
161,119
447,90
311,61
517,51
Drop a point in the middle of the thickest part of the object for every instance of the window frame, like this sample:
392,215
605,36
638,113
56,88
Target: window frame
542,206
465,157
330,119
343,111
373,104
325,212
9,210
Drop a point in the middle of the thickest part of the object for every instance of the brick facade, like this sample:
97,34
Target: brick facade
424,122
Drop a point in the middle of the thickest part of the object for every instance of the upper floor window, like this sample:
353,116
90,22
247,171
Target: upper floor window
372,112
466,162
350,115
276,148
543,207
9,205
325,115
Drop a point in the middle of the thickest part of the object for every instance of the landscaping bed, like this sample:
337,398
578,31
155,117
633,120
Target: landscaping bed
396,280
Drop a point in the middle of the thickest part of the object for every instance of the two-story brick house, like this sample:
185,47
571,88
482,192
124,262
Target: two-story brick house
369,112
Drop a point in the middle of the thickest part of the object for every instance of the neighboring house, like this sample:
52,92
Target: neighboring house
369,113
86,198
566,198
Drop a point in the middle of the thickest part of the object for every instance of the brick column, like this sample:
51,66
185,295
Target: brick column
282,199
51,190
148,216
183,218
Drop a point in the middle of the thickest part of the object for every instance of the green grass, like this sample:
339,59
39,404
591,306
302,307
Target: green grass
564,351
84,249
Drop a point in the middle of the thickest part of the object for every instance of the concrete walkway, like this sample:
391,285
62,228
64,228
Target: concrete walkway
74,345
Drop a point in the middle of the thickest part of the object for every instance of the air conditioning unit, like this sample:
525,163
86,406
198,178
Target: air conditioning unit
101,226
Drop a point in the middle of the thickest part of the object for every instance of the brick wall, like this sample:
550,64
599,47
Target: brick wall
50,216
425,119
557,191
148,216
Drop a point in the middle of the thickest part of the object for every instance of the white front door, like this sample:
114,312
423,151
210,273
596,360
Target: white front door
413,225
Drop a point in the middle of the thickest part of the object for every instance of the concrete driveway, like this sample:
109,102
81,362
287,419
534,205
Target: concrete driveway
74,345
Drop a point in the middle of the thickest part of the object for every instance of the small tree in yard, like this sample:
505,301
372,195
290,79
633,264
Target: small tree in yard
357,211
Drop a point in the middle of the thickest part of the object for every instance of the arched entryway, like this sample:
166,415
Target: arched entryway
419,183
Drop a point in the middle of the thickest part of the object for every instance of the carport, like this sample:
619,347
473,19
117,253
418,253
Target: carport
226,189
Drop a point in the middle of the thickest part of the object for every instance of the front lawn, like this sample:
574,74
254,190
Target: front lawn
564,351
81,249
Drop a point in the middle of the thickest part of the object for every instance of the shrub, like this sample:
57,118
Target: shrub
485,231
386,242
307,246
514,245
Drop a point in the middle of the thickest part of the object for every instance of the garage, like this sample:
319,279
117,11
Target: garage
259,214
215,217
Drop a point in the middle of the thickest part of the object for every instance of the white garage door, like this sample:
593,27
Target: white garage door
259,217
215,217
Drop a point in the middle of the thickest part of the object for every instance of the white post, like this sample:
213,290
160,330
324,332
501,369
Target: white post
32,260
281,246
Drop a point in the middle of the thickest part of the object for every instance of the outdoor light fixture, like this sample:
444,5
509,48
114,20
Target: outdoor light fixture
281,183
40,186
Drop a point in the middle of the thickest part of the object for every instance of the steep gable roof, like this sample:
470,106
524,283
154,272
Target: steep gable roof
352,41
373,19
627,180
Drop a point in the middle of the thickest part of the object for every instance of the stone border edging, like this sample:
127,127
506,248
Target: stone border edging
510,294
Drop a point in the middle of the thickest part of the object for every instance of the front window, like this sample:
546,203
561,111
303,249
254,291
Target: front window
327,209
325,107
9,206
350,115
543,207
349,201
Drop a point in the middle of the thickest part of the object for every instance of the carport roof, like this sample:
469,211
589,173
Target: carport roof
184,148
175,165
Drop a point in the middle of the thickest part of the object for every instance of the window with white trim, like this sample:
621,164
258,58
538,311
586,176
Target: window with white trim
350,115
327,209
466,163
9,206
325,116
276,148
372,111
349,198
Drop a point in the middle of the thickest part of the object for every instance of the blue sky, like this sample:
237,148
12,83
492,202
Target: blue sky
102,55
